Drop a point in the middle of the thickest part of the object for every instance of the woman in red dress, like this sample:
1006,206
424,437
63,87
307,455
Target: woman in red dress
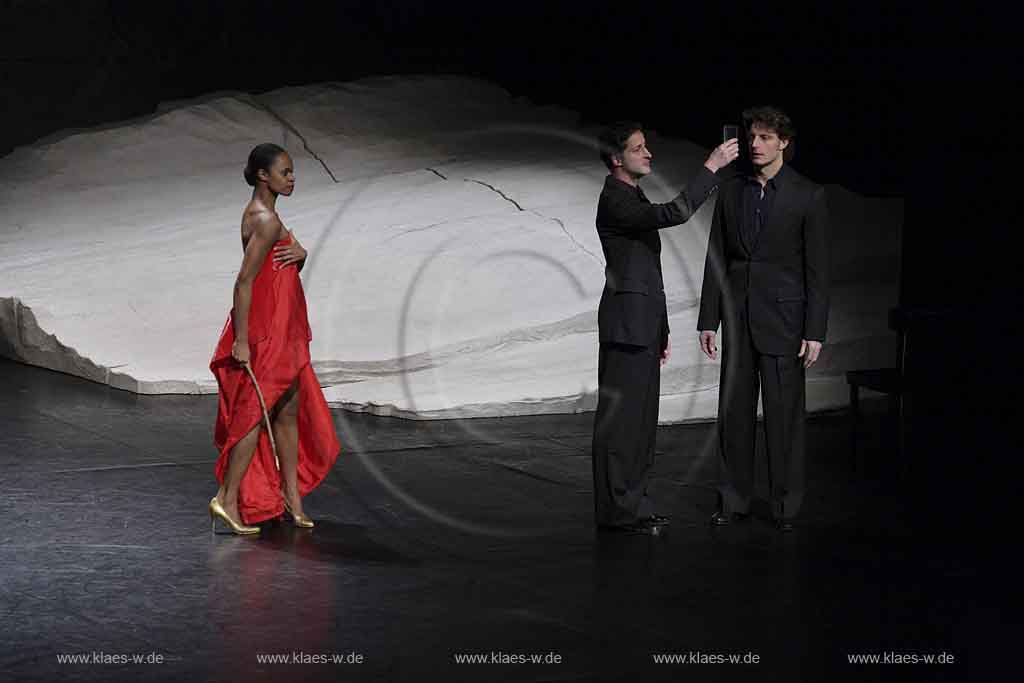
268,331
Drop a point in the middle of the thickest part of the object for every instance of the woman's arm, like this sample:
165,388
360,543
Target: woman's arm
266,228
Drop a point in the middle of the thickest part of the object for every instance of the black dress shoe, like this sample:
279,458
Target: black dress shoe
726,518
658,520
642,526
784,525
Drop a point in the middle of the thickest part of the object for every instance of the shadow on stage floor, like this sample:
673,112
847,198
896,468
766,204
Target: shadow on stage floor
439,539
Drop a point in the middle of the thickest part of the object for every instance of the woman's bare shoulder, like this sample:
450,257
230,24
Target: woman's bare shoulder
259,218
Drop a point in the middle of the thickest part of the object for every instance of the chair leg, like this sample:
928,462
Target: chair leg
854,424
901,437
893,419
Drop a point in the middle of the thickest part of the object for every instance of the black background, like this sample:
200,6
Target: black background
681,68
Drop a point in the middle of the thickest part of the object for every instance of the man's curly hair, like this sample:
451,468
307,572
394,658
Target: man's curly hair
774,119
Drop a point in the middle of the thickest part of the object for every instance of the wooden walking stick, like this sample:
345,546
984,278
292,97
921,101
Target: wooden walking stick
299,521
266,415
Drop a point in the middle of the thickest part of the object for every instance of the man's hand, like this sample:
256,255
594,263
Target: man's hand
809,351
666,352
707,344
723,155
287,254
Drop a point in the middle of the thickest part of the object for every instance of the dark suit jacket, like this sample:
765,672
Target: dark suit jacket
782,277
632,309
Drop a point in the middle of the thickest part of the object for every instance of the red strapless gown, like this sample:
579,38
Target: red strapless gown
279,339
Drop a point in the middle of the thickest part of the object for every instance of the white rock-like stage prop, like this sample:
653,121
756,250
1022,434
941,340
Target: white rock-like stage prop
455,269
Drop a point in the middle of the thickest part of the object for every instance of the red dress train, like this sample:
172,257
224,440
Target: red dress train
279,337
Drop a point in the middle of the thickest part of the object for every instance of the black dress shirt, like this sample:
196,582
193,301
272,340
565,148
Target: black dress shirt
757,205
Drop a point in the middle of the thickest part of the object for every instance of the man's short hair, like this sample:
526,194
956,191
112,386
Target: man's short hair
612,140
774,119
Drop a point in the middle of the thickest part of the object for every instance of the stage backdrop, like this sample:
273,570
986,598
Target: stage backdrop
454,265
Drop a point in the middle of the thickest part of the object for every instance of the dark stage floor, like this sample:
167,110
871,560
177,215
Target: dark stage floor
437,539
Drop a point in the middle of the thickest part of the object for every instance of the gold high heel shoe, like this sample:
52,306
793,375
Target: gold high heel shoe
298,520
216,510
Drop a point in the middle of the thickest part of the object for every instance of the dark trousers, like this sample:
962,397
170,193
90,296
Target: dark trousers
780,380
629,384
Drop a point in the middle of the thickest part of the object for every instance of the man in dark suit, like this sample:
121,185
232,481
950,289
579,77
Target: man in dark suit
633,323
766,281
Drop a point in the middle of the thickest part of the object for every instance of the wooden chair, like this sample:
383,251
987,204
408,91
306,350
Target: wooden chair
890,381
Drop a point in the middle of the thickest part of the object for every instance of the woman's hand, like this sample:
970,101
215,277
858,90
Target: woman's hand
240,351
287,254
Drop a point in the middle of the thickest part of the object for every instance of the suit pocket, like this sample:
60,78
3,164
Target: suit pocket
790,301
786,294
632,286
